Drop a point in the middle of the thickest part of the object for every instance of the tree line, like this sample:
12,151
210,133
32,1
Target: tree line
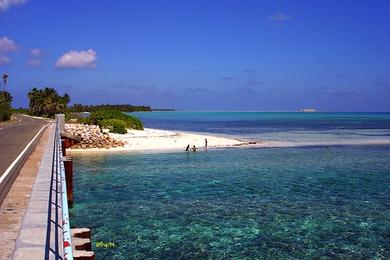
5,101
5,106
47,102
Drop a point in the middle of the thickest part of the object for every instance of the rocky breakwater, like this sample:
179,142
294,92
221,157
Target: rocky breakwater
92,137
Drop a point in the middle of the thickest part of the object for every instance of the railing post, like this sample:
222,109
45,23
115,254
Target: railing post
63,142
61,122
68,164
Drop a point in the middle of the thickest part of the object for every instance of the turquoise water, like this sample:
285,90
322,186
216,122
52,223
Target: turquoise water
237,203
294,128
244,123
315,201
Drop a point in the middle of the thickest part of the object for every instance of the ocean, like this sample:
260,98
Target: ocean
329,197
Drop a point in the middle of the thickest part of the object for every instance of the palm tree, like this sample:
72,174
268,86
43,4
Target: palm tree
5,105
5,76
47,102
35,100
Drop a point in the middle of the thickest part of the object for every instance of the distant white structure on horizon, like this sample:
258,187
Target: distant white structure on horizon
307,110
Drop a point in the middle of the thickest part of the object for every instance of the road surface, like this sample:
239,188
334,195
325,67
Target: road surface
15,137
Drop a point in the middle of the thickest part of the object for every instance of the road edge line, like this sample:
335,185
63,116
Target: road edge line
7,175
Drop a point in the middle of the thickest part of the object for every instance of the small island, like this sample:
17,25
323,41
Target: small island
307,110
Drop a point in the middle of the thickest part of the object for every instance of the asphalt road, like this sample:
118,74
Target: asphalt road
15,137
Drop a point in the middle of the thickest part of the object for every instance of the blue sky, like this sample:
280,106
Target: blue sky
201,55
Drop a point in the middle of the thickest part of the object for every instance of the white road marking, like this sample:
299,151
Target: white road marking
7,172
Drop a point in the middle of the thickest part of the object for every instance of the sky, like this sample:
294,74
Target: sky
240,55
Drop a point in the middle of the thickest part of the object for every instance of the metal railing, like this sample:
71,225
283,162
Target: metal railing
58,215
66,235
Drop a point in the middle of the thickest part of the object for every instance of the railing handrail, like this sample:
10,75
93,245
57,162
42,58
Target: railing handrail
66,234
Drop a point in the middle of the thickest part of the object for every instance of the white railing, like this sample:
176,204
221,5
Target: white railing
59,164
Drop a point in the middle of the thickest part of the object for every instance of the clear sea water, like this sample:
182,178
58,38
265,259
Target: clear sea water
292,128
274,203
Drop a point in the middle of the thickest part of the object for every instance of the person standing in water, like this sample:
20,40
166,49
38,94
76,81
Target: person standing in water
194,148
205,142
188,148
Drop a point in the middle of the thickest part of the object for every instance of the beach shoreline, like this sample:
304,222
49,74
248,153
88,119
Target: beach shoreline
149,140
152,140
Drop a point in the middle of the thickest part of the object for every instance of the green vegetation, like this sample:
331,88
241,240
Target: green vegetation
123,108
20,110
115,125
5,106
113,119
46,102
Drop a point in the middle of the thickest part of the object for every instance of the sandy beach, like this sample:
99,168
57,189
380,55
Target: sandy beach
165,140
156,139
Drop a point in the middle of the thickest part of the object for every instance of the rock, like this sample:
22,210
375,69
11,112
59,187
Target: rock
92,137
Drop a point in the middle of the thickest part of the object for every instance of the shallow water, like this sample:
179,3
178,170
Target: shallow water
249,123
237,203
287,128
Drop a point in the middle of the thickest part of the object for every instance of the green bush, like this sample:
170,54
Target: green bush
20,110
70,116
96,118
83,120
5,113
5,106
117,126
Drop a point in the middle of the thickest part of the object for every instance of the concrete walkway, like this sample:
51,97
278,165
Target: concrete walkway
41,234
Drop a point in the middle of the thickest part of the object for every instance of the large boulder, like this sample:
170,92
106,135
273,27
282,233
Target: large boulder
92,137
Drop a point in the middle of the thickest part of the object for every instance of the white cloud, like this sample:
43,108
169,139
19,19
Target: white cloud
34,62
4,59
5,4
35,58
77,59
279,18
36,53
7,45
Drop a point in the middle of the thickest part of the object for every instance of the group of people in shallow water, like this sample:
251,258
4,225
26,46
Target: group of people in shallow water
194,147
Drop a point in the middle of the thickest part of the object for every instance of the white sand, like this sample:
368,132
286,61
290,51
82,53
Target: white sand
155,139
